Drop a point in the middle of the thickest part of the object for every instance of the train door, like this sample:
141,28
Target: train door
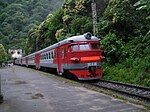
26,61
59,61
37,61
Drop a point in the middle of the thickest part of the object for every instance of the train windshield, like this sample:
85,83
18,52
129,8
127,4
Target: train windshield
84,47
95,46
78,47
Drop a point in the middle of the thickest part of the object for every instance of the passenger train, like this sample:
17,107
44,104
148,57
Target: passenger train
77,56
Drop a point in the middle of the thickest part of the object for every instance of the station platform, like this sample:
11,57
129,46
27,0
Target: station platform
28,90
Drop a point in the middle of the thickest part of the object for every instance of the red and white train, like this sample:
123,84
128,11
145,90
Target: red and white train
78,56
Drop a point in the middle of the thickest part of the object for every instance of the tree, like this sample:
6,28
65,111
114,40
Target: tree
17,17
122,28
81,24
3,54
143,5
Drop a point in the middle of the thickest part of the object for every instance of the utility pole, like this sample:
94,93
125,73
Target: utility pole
36,43
37,40
94,15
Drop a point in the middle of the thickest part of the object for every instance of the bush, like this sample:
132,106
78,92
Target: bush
135,71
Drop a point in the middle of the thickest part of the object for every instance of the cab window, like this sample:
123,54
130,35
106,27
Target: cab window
84,47
95,46
73,48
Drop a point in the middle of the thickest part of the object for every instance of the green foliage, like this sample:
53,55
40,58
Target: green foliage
3,54
18,17
114,48
81,24
143,5
132,70
44,34
121,30
126,38
58,26
32,40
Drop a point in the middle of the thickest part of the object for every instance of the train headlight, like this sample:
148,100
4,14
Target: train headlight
88,35
75,59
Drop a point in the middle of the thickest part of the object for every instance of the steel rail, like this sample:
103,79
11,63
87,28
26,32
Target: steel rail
124,85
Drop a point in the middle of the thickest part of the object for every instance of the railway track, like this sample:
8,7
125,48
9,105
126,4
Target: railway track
136,92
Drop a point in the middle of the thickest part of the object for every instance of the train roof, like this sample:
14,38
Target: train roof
79,38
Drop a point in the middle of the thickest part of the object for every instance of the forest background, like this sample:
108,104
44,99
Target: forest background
123,30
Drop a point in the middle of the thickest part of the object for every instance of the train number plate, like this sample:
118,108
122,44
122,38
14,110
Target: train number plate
92,64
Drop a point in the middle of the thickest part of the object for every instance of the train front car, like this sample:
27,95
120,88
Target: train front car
84,57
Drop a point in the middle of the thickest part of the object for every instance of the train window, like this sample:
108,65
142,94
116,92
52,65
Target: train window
95,46
69,49
46,55
63,52
49,55
31,58
73,48
84,47
52,54
41,57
